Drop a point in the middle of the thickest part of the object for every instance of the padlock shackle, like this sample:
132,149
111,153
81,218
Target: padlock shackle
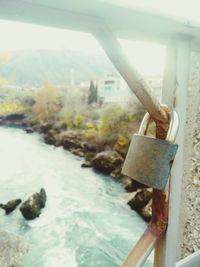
173,125
144,124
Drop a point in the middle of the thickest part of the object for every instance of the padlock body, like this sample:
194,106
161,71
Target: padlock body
148,160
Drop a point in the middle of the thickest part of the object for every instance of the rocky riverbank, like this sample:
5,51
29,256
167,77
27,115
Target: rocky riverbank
102,157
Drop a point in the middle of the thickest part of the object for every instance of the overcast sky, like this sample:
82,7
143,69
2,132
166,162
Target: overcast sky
149,58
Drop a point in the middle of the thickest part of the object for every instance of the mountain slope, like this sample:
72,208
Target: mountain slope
32,67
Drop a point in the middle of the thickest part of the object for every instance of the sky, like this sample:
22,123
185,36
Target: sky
149,58
30,36
188,9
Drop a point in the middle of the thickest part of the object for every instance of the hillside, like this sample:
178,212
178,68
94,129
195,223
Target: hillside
32,67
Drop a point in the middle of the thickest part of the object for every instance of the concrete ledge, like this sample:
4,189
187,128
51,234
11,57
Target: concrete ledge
190,261
13,249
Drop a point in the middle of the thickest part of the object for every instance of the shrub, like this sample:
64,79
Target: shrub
115,122
47,103
7,108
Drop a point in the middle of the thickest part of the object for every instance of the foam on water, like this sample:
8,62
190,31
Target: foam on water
86,221
62,257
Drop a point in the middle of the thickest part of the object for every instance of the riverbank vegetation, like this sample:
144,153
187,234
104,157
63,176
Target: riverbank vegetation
76,120
110,125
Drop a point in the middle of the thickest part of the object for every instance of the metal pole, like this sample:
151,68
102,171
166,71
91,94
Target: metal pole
142,249
135,81
177,76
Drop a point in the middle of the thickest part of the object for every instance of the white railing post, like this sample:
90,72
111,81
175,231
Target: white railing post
175,94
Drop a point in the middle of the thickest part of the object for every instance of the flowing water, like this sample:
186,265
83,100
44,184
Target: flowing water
86,222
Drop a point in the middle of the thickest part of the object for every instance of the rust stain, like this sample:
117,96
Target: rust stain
159,221
160,205
162,127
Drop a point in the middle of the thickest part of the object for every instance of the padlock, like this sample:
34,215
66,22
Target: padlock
149,159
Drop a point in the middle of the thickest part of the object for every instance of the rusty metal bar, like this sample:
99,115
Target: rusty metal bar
155,230
134,79
141,251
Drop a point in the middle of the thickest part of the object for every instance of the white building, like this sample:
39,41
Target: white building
113,89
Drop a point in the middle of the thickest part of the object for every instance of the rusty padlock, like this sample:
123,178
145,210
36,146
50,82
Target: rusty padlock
149,159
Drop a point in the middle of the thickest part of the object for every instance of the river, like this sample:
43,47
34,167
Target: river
86,222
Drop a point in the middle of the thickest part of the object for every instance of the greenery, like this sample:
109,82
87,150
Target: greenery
108,125
32,67
47,103
8,108
92,96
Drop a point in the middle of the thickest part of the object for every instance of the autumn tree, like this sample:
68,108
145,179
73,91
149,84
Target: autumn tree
47,103
4,58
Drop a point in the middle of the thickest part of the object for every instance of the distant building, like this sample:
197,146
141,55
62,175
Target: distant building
113,88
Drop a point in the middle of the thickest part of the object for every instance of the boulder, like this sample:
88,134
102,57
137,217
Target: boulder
13,118
107,161
31,208
140,200
117,173
86,164
59,127
77,152
146,212
49,138
42,198
92,146
133,186
10,205
70,139
45,127
29,130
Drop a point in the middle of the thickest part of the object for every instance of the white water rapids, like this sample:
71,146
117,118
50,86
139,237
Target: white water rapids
86,221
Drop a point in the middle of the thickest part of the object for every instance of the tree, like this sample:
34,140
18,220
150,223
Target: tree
4,58
92,97
47,102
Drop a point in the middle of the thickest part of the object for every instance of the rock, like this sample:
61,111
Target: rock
13,118
31,208
117,172
59,127
134,186
77,152
29,130
45,127
92,146
146,212
70,139
107,161
86,164
11,205
49,138
13,249
43,198
89,156
18,116
140,200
